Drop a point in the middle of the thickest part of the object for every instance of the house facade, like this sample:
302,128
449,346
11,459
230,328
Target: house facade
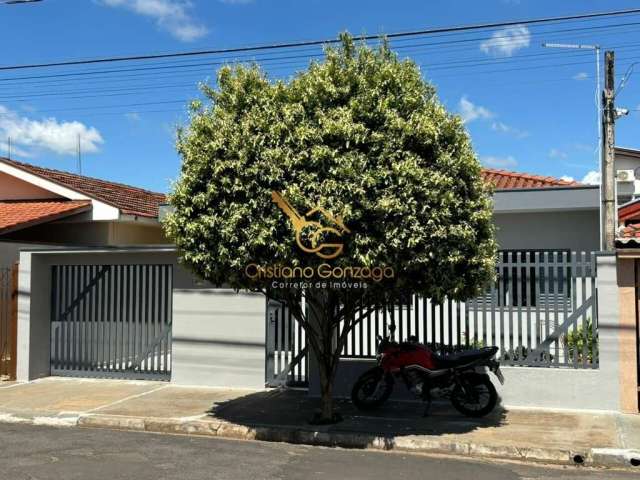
113,269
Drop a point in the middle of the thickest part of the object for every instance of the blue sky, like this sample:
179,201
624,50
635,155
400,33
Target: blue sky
527,108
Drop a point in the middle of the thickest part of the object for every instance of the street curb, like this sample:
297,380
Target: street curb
595,457
416,444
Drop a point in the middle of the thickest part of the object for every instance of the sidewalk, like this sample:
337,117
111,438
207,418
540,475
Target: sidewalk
598,439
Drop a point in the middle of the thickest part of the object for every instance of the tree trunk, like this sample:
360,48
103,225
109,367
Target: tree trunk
322,339
326,400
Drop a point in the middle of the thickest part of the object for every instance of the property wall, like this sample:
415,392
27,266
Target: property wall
218,338
561,388
628,265
218,334
574,230
10,251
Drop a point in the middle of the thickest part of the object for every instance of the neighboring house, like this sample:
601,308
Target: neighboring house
533,212
49,207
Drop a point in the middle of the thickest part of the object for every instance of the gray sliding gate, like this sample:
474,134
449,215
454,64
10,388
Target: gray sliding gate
111,321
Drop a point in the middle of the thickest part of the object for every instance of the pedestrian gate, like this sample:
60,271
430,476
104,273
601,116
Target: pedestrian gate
111,321
8,321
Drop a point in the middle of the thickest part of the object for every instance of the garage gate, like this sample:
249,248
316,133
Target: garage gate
111,321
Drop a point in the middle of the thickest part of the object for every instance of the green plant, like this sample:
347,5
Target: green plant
582,342
360,135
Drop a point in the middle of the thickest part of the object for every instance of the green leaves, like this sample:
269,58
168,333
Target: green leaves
360,134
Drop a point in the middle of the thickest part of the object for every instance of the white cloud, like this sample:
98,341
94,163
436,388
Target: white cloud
507,41
499,162
509,130
170,15
591,178
47,134
132,116
470,112
580,76
567,178
558,154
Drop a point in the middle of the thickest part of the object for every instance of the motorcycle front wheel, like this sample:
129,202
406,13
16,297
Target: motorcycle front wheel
372,389
474,395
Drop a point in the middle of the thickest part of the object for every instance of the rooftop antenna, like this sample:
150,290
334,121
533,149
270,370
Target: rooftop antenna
9,148
79,157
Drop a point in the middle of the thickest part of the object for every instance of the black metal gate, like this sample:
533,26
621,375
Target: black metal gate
111,321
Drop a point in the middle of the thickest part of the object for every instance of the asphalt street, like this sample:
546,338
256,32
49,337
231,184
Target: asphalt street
32,452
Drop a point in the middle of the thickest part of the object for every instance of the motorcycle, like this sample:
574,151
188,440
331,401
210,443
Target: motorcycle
461,377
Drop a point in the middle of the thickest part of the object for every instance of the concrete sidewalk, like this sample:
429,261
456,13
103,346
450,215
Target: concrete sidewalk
599,439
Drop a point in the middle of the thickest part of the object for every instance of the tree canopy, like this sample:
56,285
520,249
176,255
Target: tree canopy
360,134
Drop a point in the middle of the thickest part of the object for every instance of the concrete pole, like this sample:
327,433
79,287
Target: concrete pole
608,157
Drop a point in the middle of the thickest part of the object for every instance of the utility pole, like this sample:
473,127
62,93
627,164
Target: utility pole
607,180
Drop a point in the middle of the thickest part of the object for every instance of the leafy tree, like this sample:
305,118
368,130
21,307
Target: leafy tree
360,135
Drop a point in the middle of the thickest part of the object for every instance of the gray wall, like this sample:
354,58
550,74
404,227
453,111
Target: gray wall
219,335
218,338
577,230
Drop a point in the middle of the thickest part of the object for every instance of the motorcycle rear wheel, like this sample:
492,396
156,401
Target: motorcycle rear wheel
368,385
478,402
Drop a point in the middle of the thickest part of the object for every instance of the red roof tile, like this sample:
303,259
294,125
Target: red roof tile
129,200
503,179
630,231
137,201
15,215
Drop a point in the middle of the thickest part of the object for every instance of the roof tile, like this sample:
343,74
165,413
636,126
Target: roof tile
20,214
129,200
504,179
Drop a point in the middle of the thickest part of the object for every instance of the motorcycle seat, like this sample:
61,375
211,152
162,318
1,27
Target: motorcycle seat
465,357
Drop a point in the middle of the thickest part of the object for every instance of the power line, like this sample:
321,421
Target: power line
64,76
277,46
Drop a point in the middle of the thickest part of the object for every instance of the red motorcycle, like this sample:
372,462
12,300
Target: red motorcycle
461,377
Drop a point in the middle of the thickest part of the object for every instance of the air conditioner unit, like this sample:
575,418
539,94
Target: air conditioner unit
625,176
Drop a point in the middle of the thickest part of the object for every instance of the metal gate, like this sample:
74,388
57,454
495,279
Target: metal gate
111,321
540,312
286,348
8,321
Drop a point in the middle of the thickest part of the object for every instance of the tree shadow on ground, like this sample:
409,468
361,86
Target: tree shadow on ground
294,408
